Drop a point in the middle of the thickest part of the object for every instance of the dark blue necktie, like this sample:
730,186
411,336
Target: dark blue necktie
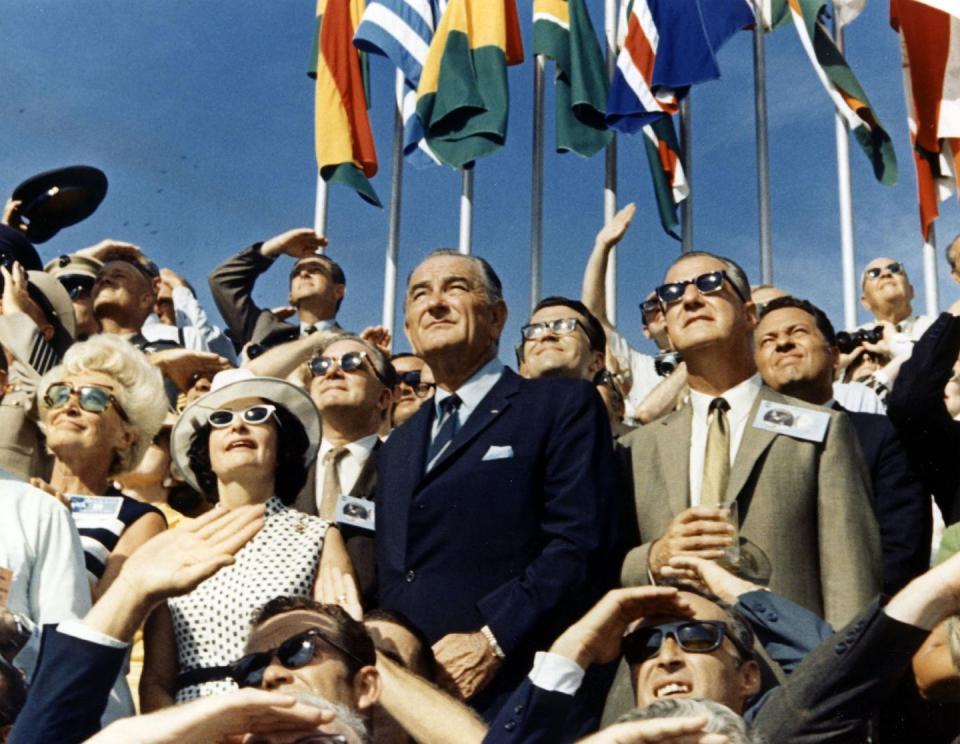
448,427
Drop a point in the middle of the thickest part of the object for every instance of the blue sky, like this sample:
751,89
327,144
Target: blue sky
201,115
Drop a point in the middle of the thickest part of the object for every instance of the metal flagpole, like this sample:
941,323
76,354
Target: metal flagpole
930,286
320,209
536,190
393,229
610,161
763,156
686,150
466,209
845,193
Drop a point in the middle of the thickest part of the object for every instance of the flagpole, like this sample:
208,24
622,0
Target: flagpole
610,161
763,156
686,150
931,287
466,210
393,227
320,209
845,193
536,190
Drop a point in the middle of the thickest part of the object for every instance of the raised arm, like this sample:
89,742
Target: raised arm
594,292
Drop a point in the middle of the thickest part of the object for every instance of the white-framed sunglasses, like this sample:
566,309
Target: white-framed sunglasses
255,415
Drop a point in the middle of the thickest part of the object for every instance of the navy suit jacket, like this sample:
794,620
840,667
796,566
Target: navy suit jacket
509,529
901,503
69,691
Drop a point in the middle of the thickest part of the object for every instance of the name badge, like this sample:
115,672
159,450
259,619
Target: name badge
356,512
91,512
794,421
6,580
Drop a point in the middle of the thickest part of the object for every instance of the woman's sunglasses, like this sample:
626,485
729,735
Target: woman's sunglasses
91,398
255,415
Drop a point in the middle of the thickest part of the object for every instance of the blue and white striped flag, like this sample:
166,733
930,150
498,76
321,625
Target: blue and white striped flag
401,30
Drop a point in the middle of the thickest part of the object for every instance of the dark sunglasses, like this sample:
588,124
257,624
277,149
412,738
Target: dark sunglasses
560,327
91,398
255,415
649,307
77,287
894,268
294,653
349,362
705,283
412,380
693,636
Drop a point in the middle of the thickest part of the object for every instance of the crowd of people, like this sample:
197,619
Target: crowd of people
278,530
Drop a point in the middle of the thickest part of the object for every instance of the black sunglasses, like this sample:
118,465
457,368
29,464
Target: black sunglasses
693,636
705,283
649,307
413,381
91,398
349,362
294,653
894,268
77,286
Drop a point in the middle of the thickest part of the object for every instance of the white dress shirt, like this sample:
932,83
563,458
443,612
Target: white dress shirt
471,393
348,466
320,325
741,398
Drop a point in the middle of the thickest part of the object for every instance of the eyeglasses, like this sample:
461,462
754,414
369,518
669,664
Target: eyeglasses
412,380
294,653
649,307
894,268
91,398
693,636
560,327
254,415
705,283
349,362
77,286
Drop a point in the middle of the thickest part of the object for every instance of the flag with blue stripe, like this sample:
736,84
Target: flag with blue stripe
401,30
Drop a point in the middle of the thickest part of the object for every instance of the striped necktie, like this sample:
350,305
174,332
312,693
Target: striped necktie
448,427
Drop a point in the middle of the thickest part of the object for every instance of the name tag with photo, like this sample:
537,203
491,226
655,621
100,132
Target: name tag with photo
794,421
95,511
356,512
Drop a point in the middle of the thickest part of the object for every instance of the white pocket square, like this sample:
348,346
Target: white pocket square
498,453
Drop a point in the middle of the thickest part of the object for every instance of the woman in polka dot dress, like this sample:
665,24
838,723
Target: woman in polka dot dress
249,441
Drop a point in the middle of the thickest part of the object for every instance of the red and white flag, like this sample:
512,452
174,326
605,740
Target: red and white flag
930,40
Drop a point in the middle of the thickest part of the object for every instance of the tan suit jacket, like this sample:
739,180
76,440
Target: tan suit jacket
805,504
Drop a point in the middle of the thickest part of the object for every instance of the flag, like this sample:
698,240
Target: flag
344,142
462,100
669,182
562,31
930,41
668,46
842,86
401,30
947,6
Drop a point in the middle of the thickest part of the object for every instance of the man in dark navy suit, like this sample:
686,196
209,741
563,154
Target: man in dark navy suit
492,501
796,353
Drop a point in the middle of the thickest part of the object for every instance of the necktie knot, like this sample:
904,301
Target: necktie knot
719,404
334,455
450,405
309,330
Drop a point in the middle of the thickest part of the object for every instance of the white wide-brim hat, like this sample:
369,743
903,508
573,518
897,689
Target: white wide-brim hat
236,384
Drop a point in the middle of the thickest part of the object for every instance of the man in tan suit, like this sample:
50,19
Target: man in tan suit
794,470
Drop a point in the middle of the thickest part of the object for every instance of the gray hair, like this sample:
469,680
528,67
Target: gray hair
488,277
720,719
347,716
381,363
139,389
735,272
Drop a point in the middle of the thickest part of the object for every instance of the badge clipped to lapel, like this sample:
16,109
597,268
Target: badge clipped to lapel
356,512
794,421
93,512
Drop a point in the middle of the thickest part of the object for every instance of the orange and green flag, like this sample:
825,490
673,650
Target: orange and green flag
344,141
463,97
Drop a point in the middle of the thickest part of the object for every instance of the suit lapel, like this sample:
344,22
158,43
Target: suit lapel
490,408
673,449
367,479
752,446
408,448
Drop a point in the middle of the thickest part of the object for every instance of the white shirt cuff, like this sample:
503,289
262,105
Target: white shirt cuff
555,673
77,629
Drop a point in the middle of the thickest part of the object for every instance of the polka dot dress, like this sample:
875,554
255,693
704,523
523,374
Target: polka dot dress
212,623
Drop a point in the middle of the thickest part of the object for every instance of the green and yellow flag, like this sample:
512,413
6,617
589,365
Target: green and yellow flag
344,141
563,32
463,98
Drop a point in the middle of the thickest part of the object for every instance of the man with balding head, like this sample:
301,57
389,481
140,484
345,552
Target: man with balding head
888,294
493,499
801,489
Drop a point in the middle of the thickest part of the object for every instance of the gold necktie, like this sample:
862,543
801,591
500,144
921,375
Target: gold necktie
716,463
331,483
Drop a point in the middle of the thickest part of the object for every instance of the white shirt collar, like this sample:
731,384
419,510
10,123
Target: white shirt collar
740,397
361,448
473,391
320,325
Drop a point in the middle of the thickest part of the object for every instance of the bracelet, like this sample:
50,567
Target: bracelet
492,640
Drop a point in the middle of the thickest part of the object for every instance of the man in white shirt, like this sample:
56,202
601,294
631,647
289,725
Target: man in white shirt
352,386
888,294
